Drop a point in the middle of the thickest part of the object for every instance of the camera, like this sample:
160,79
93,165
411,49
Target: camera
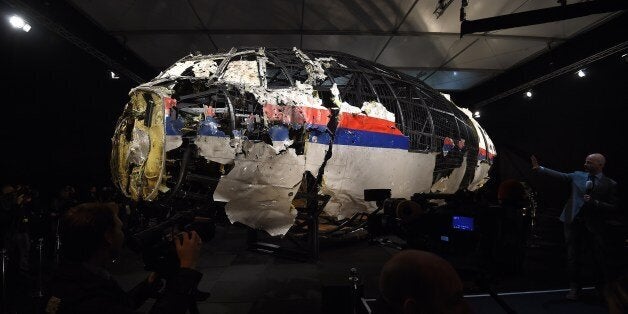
155,243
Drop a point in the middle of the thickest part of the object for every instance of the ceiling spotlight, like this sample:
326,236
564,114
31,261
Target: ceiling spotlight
476,114
113,75
528,94
581,73
19,23
16,21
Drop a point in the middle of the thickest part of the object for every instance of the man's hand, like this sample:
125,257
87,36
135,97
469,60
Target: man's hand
152,277
535,163
587,198
188,249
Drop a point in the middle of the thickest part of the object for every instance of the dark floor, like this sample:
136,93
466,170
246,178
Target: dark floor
242,281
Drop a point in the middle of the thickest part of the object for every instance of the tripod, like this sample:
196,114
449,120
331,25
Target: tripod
5,260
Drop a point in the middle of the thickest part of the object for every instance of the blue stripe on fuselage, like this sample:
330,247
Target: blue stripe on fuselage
362,138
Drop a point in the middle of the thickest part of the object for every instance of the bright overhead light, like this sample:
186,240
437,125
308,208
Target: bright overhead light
16,21
581,73
455,73
113,75
19,23
476,114
528,94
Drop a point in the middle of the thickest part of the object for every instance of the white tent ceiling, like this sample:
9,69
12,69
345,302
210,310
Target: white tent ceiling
396,33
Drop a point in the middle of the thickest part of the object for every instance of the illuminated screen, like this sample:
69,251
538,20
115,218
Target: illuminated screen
462,223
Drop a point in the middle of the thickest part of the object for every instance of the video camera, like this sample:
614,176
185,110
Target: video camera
155,243
433,222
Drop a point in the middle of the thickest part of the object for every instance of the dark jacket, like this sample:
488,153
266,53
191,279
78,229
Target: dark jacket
75,289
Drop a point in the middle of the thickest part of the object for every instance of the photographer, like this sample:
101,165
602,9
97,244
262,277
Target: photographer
92,237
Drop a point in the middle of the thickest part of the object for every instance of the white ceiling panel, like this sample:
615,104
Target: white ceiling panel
366,47
161,31
247,14
496,53
422,18
430,51
161,51
116,15
228,41
354,15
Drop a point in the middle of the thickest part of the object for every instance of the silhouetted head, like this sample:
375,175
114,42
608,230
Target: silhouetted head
91,229
594,163
420,282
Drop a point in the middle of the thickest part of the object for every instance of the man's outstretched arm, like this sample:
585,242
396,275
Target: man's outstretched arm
549,172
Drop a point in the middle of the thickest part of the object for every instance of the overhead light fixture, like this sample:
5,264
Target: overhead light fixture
455,73
528,94
19,23
442,6
113,75
581,73
476,114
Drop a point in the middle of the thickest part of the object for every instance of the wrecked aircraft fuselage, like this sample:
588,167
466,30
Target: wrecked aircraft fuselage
251,127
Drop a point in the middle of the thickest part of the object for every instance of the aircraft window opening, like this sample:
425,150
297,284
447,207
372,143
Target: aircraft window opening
287,59
276,77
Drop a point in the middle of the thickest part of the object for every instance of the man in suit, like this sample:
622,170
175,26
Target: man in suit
592,195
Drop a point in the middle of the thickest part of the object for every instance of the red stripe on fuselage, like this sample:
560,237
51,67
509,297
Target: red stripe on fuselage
366,123
297,114
320,116
484,153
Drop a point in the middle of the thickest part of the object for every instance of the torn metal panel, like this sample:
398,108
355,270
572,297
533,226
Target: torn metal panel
203,68
451,183
242,72
218,149
377,110
346,177
314,68
261,186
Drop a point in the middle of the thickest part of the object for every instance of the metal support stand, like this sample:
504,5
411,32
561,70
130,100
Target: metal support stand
40,270
5,262
57,245
315,205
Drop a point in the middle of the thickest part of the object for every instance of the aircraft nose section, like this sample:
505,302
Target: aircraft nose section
137,159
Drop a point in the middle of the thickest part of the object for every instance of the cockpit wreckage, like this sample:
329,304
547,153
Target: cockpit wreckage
253,127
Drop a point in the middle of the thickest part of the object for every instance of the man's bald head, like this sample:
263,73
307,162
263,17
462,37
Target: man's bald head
417,281
594,163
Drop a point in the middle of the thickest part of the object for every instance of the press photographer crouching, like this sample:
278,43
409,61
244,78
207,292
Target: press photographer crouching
91,237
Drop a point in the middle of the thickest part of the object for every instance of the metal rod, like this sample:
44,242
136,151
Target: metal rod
566,69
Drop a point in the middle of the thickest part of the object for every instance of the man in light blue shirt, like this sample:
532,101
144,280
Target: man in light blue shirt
592,194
